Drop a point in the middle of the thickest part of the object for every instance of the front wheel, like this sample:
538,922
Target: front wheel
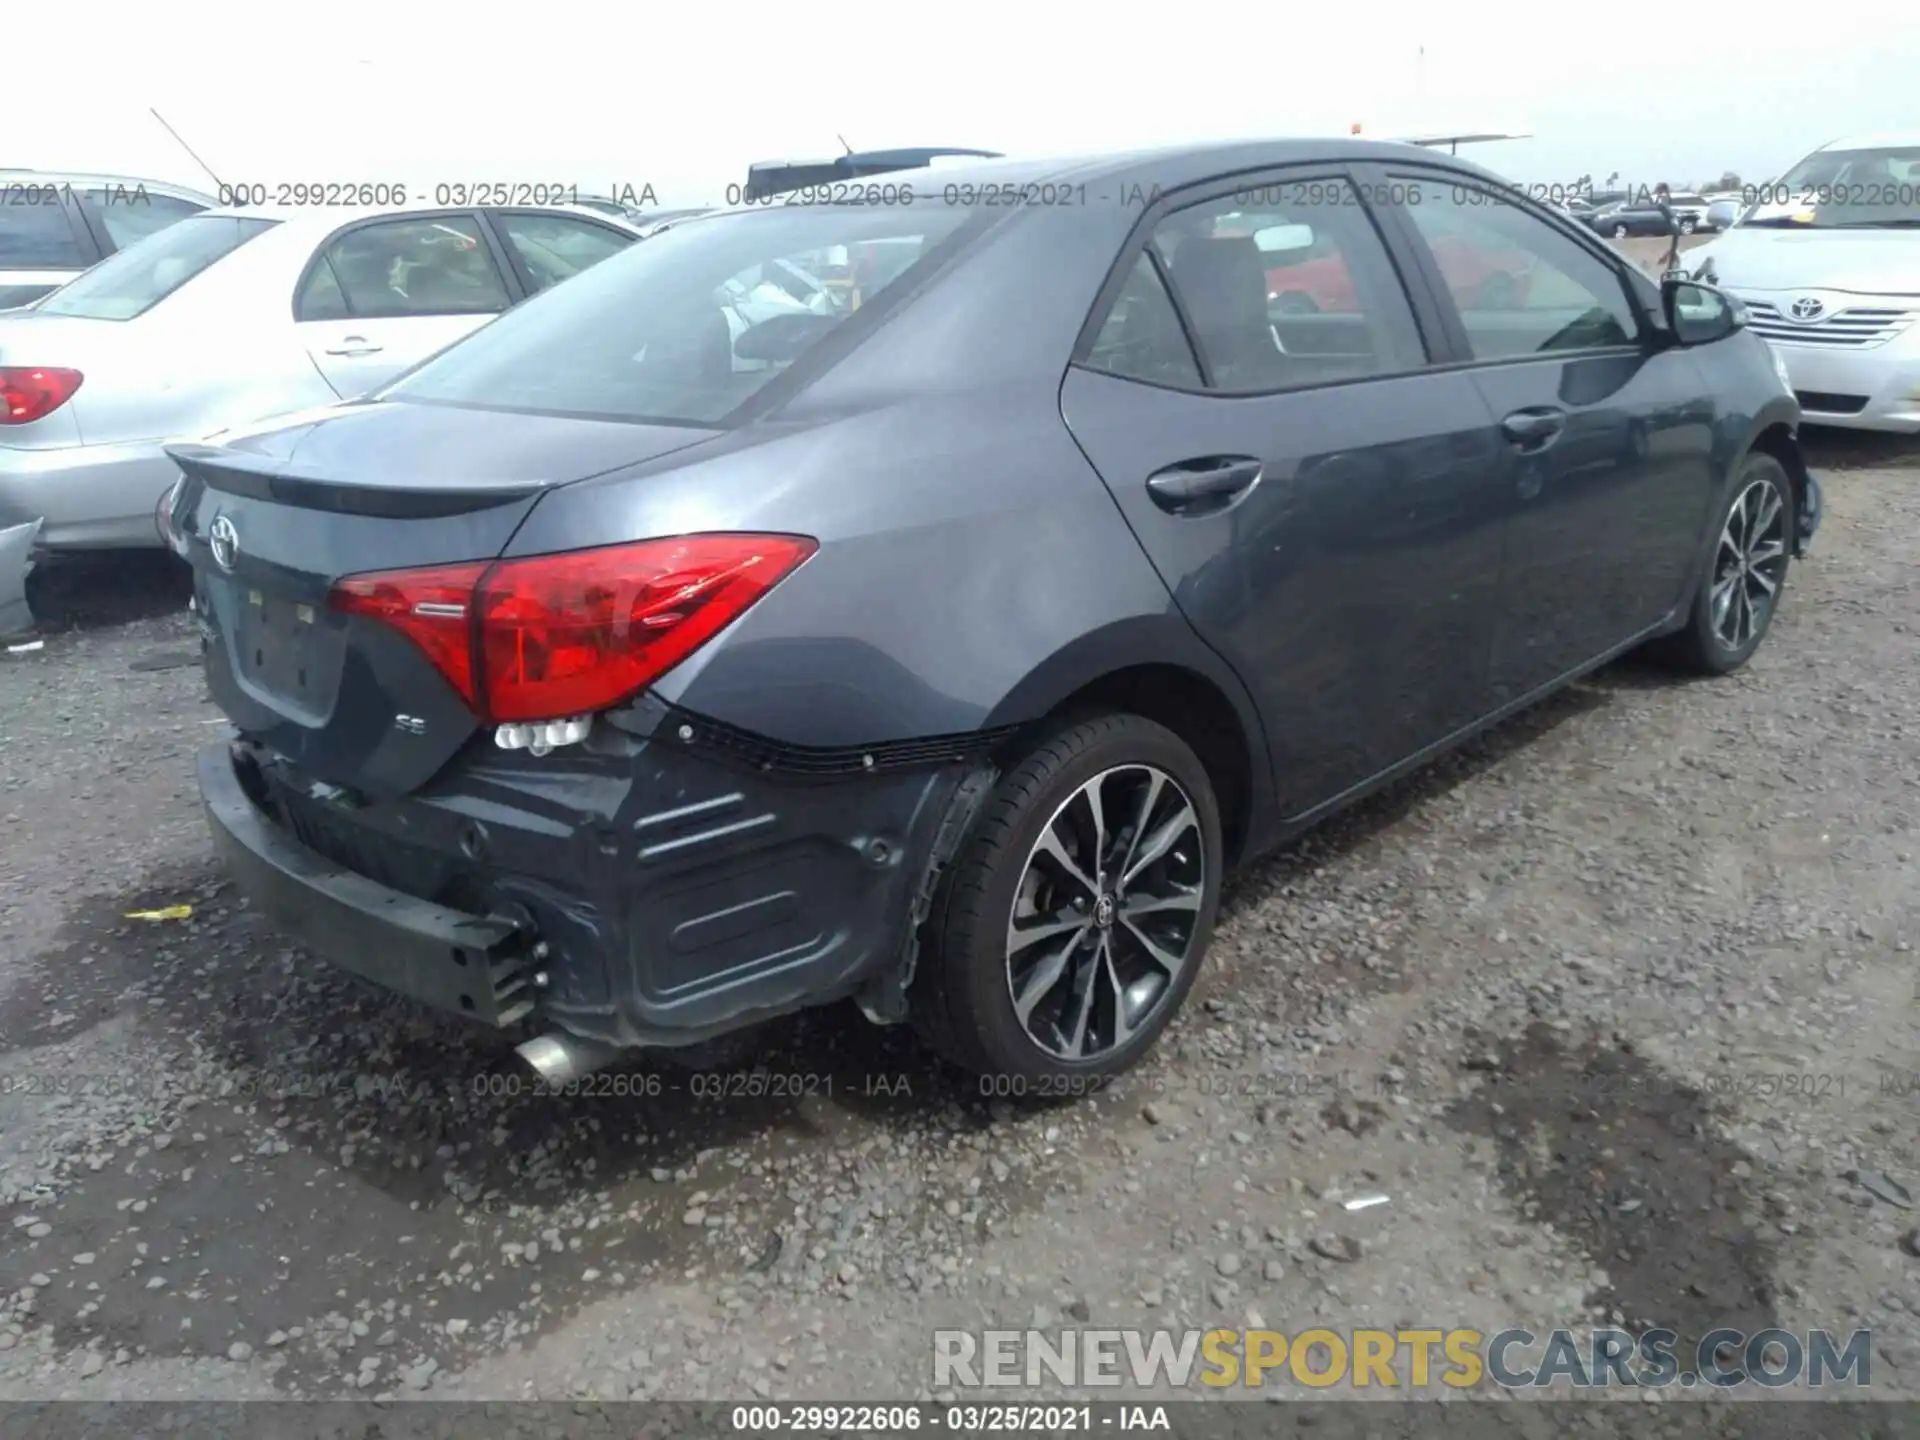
1745,573
1074,919
1619,232
1687,227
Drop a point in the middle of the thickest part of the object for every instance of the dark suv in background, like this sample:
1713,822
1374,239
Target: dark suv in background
54,224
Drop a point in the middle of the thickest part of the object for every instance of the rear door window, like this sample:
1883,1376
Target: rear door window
35,233
422,265
136,279
1141,337
1287,286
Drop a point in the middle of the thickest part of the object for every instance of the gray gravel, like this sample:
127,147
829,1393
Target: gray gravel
1611,1006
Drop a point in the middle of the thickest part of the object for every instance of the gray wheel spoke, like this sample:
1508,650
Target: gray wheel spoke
1052,847
1160,842
1122,1022
1083,1012
1132,907
1766,551
1762,581
1042,979
1092,791
1158,953
1020,937
1765,512
1154,786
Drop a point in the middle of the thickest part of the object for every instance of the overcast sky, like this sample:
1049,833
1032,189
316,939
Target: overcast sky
682,96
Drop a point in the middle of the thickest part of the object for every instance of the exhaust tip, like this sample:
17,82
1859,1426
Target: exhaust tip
559,1058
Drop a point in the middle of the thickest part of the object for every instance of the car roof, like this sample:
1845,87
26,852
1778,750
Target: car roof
1880,140
320,220
18,176
1166,167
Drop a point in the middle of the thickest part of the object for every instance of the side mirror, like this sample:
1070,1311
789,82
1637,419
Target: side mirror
1698,314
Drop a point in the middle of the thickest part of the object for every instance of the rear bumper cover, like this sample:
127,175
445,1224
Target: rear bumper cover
631,891
480,967
88,497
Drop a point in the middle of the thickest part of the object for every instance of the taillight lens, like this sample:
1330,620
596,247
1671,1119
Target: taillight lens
433,608
29,392
558,635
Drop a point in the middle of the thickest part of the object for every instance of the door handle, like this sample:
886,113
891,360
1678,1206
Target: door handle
356,345
1213,478
1533,429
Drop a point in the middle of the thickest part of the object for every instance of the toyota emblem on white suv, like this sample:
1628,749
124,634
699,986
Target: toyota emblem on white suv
1807,309
223,538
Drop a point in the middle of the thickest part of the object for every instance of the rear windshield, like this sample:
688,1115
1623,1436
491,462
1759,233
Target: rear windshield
138,278
688,326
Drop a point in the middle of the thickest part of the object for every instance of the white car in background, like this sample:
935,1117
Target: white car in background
236,315
1827,264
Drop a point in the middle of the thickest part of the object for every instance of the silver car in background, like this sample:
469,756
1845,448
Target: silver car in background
236,315
1827,263
56,223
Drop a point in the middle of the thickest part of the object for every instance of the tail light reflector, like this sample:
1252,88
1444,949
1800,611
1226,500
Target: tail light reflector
550,636
28,392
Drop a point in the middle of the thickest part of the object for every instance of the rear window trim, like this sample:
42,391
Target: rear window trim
832,348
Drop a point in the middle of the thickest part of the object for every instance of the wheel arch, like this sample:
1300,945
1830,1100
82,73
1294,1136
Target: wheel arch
1156,667
1776,433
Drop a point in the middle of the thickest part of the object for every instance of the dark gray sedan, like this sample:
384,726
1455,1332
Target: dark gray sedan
627,677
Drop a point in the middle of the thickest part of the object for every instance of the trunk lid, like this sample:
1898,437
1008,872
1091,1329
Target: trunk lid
352,489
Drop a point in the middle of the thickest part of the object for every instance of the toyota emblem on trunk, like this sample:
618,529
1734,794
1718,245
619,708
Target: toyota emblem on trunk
224,540
1807,308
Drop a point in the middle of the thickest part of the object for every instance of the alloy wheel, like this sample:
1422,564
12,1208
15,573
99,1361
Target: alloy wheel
1748,565
1106,912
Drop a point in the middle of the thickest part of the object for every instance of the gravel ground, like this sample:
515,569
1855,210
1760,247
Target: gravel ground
1618,1005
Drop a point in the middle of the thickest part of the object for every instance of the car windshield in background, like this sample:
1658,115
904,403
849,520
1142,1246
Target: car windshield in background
1844,189
688,326
133,281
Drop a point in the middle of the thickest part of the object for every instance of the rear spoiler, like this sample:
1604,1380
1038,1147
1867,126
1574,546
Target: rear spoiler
776,177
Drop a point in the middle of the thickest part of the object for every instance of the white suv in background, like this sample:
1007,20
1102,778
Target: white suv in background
55,223
1827,263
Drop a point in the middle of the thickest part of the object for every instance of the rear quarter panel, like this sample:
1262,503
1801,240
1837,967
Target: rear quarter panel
970,558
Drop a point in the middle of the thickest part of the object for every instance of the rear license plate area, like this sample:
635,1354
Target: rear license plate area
282,647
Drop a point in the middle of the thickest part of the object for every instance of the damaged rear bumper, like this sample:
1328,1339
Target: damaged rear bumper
477,966
631,891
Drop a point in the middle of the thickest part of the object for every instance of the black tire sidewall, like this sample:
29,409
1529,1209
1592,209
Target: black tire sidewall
1714,655
973,947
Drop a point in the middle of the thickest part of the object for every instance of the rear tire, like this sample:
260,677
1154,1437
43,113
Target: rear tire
1620,232
1103,845
1745,573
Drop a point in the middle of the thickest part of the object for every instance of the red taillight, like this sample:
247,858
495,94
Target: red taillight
29,392
433,608
556,635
